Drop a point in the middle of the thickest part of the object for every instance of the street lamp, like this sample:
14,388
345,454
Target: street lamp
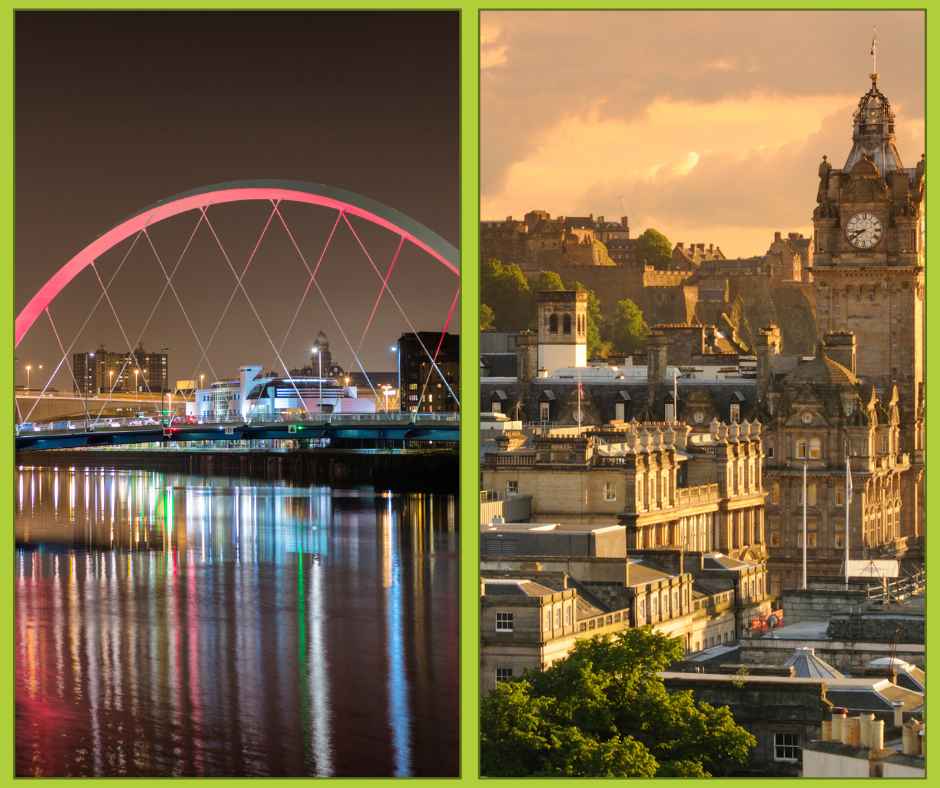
28,368
110,381
397,350
135,382
319,380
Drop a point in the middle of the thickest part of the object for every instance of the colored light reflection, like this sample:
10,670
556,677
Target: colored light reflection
174,625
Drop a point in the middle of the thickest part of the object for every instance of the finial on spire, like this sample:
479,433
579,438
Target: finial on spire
874,55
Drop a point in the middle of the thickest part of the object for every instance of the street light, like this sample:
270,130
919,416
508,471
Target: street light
319,380
110,381
28,368
397,350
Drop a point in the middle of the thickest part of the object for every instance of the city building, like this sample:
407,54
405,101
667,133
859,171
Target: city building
669,486
816,419
429,370
102,371
869,275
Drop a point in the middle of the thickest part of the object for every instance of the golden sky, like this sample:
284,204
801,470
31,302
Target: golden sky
710,125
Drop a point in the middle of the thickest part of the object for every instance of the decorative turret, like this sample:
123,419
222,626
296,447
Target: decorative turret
873,133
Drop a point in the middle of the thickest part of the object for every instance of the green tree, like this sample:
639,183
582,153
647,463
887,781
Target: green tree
604,711
629,327
547,280
505,290
654,248
486,318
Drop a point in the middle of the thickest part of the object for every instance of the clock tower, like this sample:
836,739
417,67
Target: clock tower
868,270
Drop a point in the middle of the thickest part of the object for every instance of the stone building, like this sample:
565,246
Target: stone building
814,418
545,586
669,487
869,272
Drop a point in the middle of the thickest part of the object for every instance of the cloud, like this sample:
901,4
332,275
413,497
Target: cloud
699,120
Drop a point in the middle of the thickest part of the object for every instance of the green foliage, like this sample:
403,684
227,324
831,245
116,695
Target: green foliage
487,318
505,290
629,327
547,280
654,249
603,711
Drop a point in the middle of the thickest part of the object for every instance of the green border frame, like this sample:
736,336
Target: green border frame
469,247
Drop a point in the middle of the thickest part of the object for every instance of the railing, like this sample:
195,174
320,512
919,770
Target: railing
512,509
105,422
510,460
897,589
701,493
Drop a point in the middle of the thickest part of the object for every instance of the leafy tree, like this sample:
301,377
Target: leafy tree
505,290
486,318
654,249
603,711
547,280
629,327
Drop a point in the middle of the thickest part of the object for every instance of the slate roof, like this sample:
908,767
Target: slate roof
501,365
525,588
806,665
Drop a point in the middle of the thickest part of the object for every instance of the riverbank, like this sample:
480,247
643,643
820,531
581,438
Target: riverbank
436,471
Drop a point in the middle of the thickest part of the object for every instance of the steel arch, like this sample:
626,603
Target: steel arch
240,191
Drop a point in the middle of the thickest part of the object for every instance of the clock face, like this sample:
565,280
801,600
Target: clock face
863,230
807,418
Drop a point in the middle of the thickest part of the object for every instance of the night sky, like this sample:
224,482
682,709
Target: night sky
115,111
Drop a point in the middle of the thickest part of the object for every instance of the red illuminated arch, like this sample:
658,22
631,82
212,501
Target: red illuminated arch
240,191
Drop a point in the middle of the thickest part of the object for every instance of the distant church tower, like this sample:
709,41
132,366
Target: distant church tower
868,267
321,346
562,329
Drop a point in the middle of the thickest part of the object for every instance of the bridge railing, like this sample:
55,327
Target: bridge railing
135,422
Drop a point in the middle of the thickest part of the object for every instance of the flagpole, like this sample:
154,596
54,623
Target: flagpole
675,395
804,525
579,403
848,500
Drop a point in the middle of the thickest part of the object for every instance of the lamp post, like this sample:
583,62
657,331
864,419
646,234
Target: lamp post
28,367
319,380
110,381
397,350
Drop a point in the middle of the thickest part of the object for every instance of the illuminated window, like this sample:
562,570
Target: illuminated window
801,448
815,448
775,492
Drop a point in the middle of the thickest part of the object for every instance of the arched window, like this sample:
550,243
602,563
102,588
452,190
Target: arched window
815,448
566,324
553,324
801,448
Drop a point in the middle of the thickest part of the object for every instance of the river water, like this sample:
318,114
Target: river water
178,625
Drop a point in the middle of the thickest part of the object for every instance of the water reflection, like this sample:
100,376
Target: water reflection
180,625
